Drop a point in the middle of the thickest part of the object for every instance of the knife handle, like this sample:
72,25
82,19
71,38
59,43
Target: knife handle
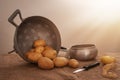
91,66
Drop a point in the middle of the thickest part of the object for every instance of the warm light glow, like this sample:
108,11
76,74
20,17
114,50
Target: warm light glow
100,10
105,10
94,21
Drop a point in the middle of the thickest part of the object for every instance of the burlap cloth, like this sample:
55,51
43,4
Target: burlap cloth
13,67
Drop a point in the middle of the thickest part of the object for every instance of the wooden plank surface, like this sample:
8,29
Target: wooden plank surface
13,67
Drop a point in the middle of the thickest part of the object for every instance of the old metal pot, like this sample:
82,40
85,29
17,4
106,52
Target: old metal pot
32,28
82,52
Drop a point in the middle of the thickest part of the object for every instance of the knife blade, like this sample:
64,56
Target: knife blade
85,68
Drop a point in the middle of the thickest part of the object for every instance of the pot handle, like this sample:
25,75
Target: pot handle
11,51
12,17
64,49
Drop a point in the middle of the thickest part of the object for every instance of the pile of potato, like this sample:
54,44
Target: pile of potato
46,57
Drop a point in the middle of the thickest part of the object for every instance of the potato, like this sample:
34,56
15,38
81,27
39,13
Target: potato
60,61
33,56
39,42
73,63
45,63
50,53
39,49
48,47
107,59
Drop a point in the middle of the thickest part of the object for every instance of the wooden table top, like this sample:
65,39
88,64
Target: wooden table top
13,67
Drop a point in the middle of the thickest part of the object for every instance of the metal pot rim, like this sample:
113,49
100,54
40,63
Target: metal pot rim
83,46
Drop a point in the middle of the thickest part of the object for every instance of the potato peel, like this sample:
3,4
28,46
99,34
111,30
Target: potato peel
106,71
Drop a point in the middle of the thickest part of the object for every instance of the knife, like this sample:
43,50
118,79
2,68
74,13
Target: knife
85,68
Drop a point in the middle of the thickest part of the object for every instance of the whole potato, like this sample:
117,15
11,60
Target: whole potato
60,61
73,63
48,47
39,49
45,63
39,42
33,56
50,53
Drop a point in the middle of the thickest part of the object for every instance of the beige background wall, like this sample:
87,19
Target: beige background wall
79,21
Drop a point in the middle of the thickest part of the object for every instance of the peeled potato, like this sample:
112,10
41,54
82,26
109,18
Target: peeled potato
73,63
39,49
39,42
45,63
60,61
107,59
50,53
33,56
